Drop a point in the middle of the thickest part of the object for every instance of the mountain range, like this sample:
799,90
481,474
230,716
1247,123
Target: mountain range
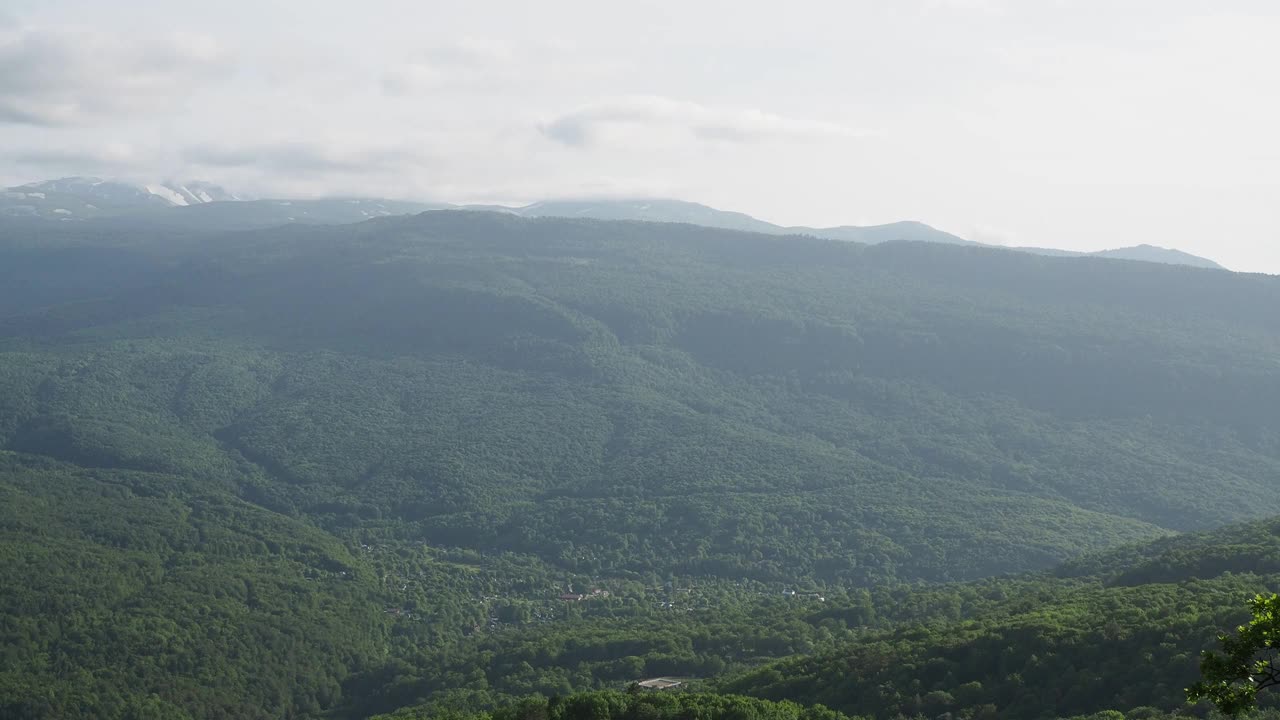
81,197
451,459
206,206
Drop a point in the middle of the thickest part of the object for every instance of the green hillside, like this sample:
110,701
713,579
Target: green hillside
304,468
1128,636
1084,639
675,399
130,594
614,705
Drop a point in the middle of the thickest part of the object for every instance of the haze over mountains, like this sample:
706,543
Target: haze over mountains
84,198
440,398
331,470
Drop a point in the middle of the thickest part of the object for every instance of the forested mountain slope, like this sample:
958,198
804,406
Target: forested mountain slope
1118,630
298,462
1093,637
631,397
138,595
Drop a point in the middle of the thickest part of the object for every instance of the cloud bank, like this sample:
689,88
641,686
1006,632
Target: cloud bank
641,114
61,77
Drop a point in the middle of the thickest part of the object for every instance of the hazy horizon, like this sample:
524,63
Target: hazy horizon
1076,125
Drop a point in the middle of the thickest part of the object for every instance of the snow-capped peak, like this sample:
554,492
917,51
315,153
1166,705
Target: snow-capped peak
81,197
167,193
192,193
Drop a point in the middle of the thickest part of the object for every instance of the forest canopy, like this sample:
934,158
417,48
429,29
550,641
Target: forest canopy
347,469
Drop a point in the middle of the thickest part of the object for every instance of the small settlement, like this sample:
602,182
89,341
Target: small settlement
662,683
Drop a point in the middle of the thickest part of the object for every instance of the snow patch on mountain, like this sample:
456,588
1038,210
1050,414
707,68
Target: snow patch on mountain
168,193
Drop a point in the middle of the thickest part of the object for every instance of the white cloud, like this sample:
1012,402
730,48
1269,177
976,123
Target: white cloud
985,7
470,52
476,65
625,117
56,77
109,158
346,156
466,63
1078,123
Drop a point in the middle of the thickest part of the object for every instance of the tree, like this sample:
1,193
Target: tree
1247,664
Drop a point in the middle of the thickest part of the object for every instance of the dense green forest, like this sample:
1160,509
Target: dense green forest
643,706
1119,631
347,469
1128,637
633,706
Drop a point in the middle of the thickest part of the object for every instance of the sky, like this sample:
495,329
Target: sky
1077,124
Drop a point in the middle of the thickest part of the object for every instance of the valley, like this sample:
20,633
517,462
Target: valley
344,470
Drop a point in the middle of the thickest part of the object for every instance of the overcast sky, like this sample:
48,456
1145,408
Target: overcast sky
1078,124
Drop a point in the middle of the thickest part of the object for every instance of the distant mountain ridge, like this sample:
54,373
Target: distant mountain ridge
1152,253
664,210
79,197
1140,253
661,210
202,205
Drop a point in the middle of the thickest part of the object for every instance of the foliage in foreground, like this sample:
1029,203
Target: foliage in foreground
1247,663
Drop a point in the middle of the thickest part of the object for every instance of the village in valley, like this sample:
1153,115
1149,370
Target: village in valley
511,604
